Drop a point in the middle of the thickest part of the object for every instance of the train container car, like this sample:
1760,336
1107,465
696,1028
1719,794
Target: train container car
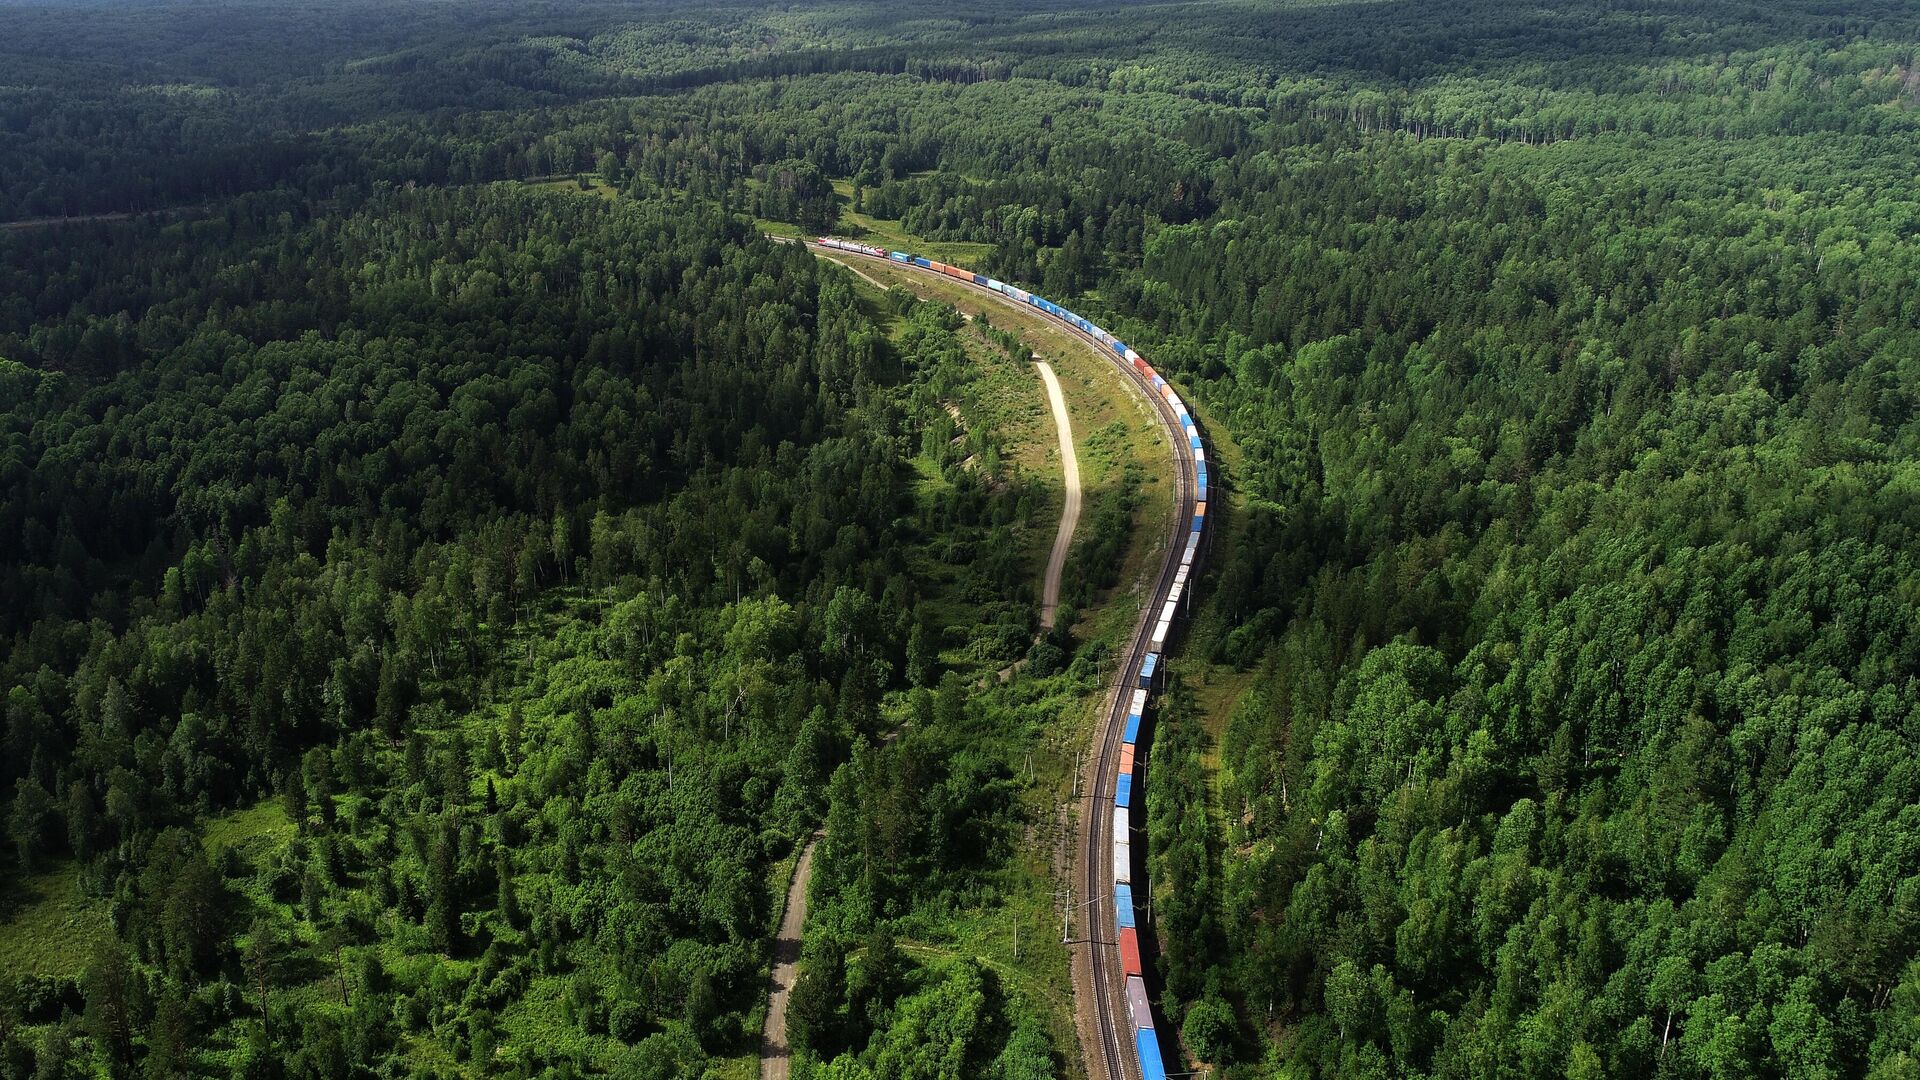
1120,347
1193,442
1132,732
1122,823
1017,294
1122,905
900,257
1137,1007
1122,862
1147,1044
1126,758
1130,951
1180,575
1123,790
1160,631
1147,670
924,264
1193,549
996,285
980,279
936,264
1134,358
958,274
1199,452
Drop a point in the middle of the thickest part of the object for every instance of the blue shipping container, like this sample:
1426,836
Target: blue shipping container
1132,734
918,261
899,256
1193,440
979,279
1147,668
1148,1045
1203,489
1123,790
1198,521
1120,347
1123,906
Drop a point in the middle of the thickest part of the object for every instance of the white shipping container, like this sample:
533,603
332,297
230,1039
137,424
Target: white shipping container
1137,1003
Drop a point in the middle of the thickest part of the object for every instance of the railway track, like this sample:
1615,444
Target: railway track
1099,979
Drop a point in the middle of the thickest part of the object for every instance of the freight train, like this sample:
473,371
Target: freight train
1139,683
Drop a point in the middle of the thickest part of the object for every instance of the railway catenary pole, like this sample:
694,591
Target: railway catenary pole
1110,1058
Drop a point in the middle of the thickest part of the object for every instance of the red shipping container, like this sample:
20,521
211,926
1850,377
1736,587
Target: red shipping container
1126,757
1130,950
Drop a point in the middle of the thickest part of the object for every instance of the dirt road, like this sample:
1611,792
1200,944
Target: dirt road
1070,510
774,1052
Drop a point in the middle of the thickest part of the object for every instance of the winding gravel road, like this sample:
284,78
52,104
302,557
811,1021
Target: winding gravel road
775,1054
1070,511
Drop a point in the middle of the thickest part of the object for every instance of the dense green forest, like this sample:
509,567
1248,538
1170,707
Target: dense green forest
436,603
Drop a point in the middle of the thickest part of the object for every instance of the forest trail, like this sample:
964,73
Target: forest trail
775,1054
864,276
1070,510
25,224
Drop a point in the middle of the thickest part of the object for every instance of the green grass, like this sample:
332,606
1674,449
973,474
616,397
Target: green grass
873,230
595,186
51,926
256,831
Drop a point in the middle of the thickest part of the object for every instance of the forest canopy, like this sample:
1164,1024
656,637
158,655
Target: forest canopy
452,556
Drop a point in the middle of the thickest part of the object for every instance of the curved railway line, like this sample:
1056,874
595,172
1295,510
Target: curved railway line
1118,1036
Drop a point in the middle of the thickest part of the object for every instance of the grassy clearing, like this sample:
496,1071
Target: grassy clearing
256,831
873,230
596,186
51,924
